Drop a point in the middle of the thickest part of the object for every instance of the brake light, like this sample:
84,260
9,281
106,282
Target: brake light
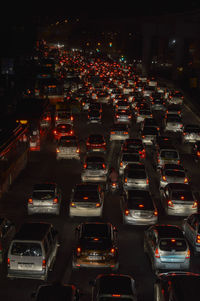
98,205
71,118
104,166
116,295
170,203
85,165
195,204
71,132
57,150
30,201
155,212
55,132
8,262
141,206
198,239
55,200
157,255
56,118
186,180
164,178
188,254
125,180
78,251
147,181
125,133
198,154
127,212
121,164
44,264
72,204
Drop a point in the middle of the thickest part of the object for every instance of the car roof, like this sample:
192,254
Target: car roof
44,186
115,284
168,231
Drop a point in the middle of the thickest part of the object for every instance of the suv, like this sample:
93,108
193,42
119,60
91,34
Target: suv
113,287
167,248
135,176
7,231
167,154
177,286
96,246
178,199
87,199
32,251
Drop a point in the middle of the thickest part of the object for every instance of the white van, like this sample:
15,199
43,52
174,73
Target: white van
32,251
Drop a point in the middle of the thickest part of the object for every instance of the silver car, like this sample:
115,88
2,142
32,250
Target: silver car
68,148
149,135
87,199
123,116
167,248
191,228
119,132
94,172
173,123
172,173
45,198
178,199
191,133
138,208
135,176
127,158
167,155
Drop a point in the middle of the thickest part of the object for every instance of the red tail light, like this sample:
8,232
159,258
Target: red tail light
30,201
198,154
157,255
71,118
170,203
186,180
127,212
198,239
98,205
71,132
164,178
55,200
56,118
104,166
194,205
85,165
147,181
8,262
121,164
78,251
155,212
55,132
57,150
188,254
125,180
43,264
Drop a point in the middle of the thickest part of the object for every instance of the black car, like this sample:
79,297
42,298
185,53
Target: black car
96,143
96,246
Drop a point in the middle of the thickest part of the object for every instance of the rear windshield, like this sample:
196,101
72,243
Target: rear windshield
182,195
137,174
67,143
63,127
130,157
173,244
96,139
140,204
26,249
94,113
175,173
169,154
95,230
43,195
174,118
64,115
94,165
150,131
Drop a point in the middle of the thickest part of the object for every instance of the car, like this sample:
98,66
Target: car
135,176
96,106
142,114
158,104
195,151
149,135
94,171
173,123
191,228
62,130
103,97
119,132
127,158
87,199
167,154
7,232
95,158
96,143
191,133
178,199
45,199
180,285
113,287
150,122
175,97
86,101
166,248
68,148
148,90
32,251
174,109
138,208
123,116
133,145
96,246
94,116
122,105
55,292
172,173
63,116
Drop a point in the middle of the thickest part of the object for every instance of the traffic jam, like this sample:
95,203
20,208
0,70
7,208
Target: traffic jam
121,161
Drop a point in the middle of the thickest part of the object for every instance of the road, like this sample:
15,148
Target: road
43,166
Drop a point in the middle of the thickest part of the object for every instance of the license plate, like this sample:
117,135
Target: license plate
25,266
96,149
96,257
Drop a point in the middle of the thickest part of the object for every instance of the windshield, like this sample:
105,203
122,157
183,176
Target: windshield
173,244
43,195
26,249
169,154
